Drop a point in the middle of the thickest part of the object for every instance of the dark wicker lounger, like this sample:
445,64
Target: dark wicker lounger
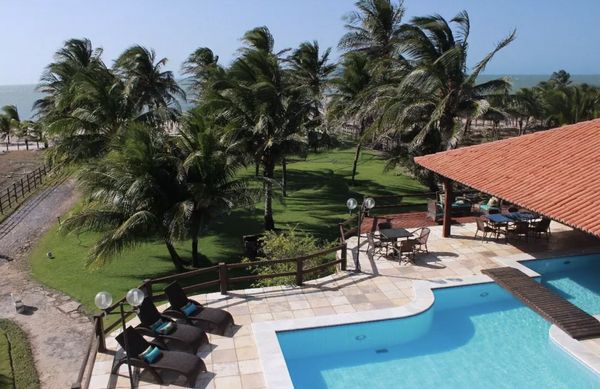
184,336
213,320
186,364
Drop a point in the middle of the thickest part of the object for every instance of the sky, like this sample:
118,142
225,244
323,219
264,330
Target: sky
551,34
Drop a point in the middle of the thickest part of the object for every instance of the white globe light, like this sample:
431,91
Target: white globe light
103,300
369,202
351,203
135,297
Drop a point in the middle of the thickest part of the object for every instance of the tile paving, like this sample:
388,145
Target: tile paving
232,361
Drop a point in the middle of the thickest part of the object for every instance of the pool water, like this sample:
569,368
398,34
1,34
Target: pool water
576,279
478,336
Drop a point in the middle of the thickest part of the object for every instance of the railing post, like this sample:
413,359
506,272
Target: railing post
100,334
15,191
8,197
22,187
344,257
148,288
299,275
28,182
223,278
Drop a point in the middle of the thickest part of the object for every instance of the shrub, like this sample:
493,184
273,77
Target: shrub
290,243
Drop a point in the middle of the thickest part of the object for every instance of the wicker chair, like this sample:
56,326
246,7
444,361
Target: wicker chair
374,246
421,240
484,228
541,227
406,247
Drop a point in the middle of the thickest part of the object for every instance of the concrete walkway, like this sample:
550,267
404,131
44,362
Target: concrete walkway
57,331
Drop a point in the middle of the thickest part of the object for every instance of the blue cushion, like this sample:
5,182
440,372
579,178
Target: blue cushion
166,328
159,323
151,354
189,308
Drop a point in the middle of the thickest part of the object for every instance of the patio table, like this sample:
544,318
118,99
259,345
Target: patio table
499,218
395,233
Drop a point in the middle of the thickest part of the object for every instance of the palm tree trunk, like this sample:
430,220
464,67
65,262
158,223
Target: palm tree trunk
355,163
269,167
284,176
257,166
7,141
174,256
197,259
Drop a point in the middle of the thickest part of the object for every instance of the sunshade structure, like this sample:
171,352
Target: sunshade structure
555,173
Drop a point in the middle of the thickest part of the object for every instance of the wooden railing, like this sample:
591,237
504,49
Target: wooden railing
9,197
222,277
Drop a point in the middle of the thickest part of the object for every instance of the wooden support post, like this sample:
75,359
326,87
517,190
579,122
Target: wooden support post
223,280
299,275
8,197
147,286
100,334
448,200
344,264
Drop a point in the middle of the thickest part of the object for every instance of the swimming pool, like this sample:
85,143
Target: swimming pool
576,279
476,335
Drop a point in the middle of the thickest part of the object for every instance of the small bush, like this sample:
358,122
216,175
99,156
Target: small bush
23,367
290,244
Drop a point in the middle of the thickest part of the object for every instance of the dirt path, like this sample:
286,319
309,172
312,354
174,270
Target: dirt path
58,332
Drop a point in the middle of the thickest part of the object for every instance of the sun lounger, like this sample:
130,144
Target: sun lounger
166,331
186,364
212,320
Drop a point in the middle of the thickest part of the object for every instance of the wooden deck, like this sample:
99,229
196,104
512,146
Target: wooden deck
574,321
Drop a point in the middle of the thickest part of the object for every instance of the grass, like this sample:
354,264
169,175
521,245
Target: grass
17,369
318,188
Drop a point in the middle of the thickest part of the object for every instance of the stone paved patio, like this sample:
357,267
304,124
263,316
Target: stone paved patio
233,361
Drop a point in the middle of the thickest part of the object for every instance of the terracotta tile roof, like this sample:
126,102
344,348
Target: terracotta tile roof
555,173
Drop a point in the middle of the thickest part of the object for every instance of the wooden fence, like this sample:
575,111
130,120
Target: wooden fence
222,278
10,196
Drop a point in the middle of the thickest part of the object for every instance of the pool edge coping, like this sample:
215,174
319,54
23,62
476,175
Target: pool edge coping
271,357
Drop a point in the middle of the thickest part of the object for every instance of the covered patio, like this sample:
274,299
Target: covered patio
552,173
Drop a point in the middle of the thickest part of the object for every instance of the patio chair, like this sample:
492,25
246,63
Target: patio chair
421,240
520,229
541,227
384,241
484,228
407,247
212,320
186,364
374,246
181,335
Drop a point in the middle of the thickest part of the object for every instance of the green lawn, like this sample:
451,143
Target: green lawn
17,369
317,192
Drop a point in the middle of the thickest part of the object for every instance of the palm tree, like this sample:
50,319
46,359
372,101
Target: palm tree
150,89
209,163
134,196
438,90
202,68
374,29
372,57
346,106
13,122
5,129
255,99
75,57
310,73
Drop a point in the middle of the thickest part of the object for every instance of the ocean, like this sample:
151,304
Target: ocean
23,96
